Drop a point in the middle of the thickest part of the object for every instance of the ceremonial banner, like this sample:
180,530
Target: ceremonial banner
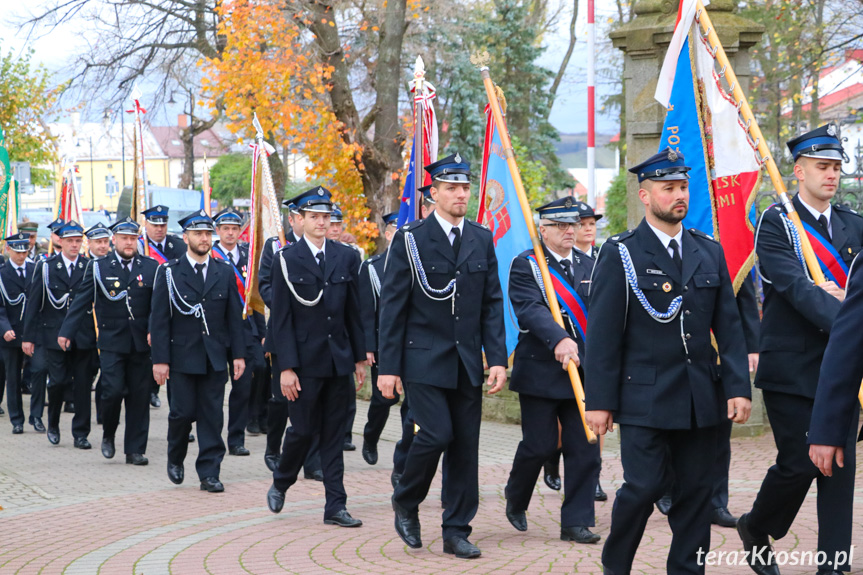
703,124
69,201
427,138
499,209
139,186
6,183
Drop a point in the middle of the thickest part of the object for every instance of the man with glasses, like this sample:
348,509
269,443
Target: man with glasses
539,374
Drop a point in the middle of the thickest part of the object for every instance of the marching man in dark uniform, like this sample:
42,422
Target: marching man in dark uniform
164,247
371,274
277,408
196,316
226,248
318,336
538,375
441,306
657,293
798,318
120,286
15,276
48,300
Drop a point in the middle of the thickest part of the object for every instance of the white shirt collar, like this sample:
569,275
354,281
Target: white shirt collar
815,213
559,257
235,253
447,227
67,262
666,239
120,258
193,262
315,249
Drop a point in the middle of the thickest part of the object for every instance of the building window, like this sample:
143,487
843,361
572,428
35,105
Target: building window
112,186
110,166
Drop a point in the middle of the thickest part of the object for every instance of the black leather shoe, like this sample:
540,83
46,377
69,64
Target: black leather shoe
722,517
272,461
53,436
191,438
349,446
343,519
599,495
758,549
275,499
461,548
38,425
664,504
238,450
108,447
407,525
136,459
517,518
317,475
82,443
175,473
17,429
155,401
579,534
253,428
370,452
394,478
551,472
69,407
212,484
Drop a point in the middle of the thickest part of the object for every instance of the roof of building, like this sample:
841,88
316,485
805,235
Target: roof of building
207,143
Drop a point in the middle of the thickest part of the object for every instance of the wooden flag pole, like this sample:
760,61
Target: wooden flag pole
575,379
708,31
205,187
767,160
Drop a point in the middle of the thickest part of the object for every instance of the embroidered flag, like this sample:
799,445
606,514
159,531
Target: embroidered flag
703,124
407,208
500,211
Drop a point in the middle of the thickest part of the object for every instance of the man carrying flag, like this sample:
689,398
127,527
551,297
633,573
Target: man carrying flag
226,248
539,374
798,316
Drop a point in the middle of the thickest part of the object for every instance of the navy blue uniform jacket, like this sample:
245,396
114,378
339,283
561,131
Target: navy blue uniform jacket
422,340
798,315
11,316
534,369
639,368
324,340
118,332
180,340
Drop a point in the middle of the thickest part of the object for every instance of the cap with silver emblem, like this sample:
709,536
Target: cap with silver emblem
664,166
562,210
450,169
823,143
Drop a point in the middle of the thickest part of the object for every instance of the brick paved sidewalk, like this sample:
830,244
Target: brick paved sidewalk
74,512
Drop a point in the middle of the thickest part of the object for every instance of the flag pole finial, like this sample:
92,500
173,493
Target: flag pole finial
480,59
419,68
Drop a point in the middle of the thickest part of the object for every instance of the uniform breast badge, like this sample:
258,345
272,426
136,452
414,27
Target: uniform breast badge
666,287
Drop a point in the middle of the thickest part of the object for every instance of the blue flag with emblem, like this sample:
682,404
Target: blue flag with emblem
500,211
407,208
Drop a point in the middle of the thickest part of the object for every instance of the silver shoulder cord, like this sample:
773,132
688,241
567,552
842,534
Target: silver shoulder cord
376,284
56,303
417,270
795,246
196,310
97,281
625,282
305,302
22,298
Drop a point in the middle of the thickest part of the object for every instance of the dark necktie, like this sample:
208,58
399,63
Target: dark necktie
231,258
456,243
127,265
71,268
321,258
567,272
21,273
822,219
675,254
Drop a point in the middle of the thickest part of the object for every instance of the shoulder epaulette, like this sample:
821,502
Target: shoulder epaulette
698,233
413,225
846,209
621,236
479,225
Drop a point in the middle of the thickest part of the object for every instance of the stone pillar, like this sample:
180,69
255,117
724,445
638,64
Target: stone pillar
644,42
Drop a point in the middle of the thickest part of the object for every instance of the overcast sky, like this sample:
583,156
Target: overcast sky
569,114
